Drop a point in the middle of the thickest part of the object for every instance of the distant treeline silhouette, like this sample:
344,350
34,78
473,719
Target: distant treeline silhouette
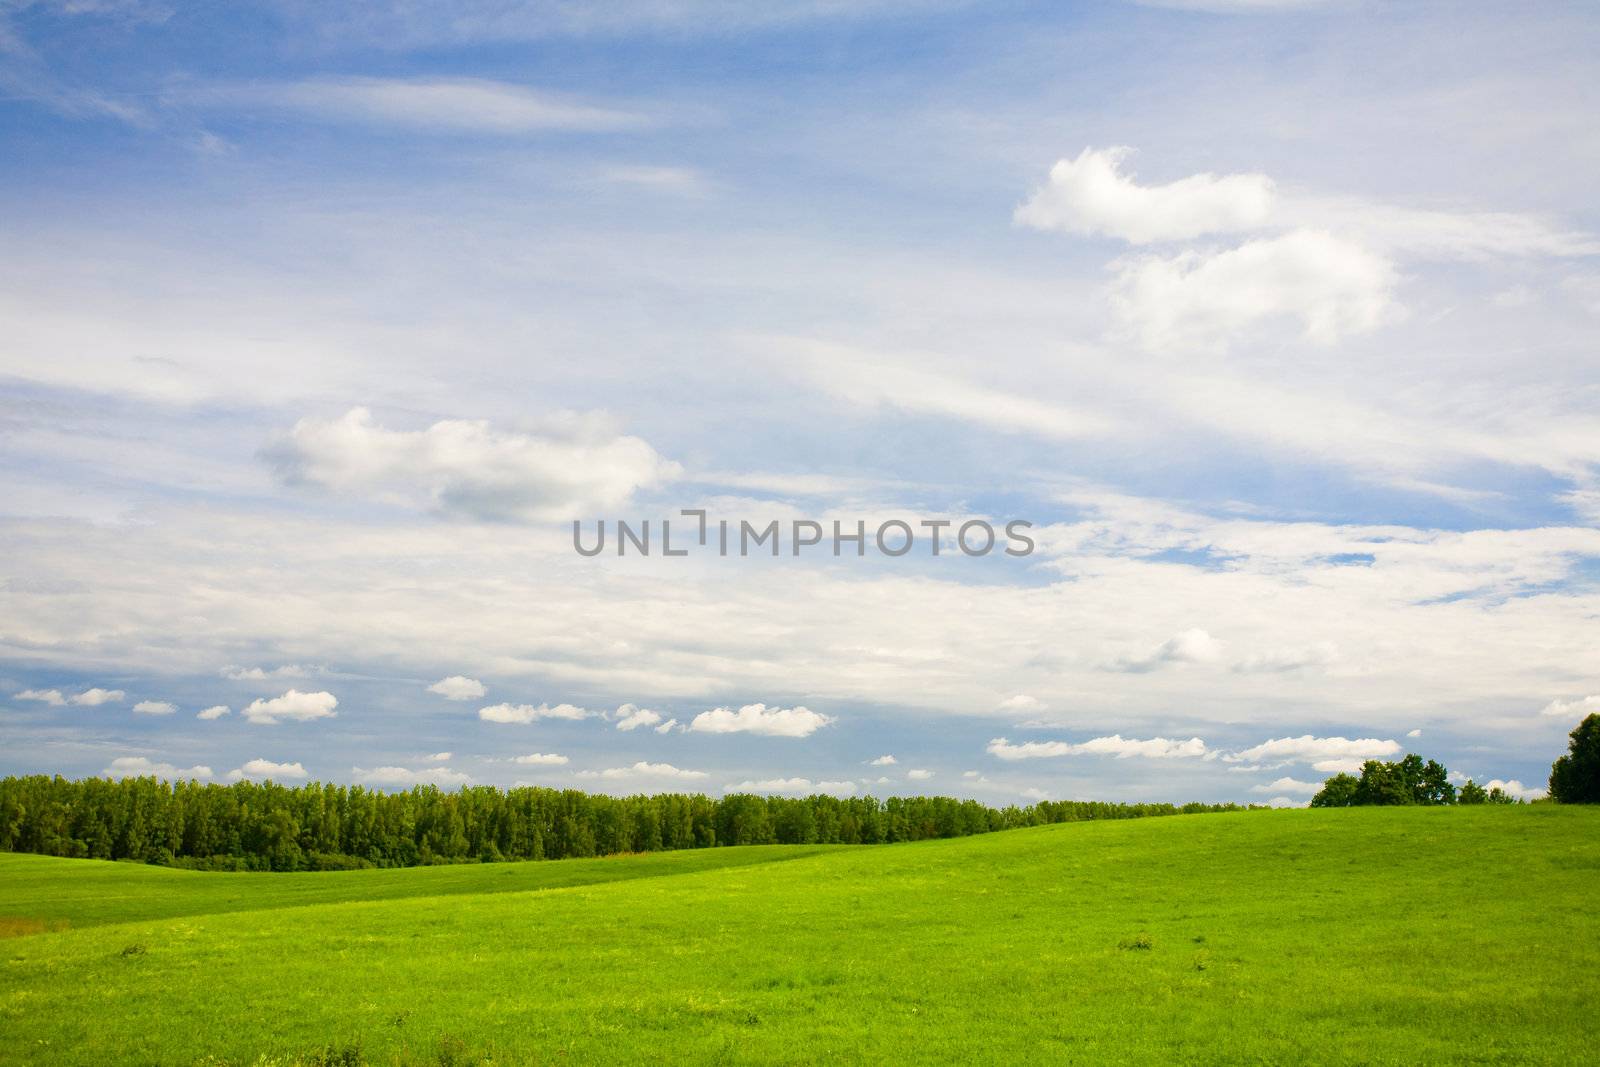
266,826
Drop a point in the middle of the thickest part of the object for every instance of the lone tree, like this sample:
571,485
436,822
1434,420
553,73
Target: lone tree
1575,777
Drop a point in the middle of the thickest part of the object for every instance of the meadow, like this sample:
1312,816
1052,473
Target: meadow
1372,935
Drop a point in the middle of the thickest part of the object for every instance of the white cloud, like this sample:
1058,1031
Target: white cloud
1328,285
668,726
541,759
1425,234
919,775
883,761
631,717
262,674
155,707
215,711
469,105
1280,660
466,468
908,385
263,768
526,713
1115,745
294,706
1514,788
1572,709
93,698
1413,733
458,687
1337,766
1236,7
1090,195
140,767
1020,702
679,181
760,719
1288,785
643,769
52,697
796,786
1190,646
438,757
407,776
1323,752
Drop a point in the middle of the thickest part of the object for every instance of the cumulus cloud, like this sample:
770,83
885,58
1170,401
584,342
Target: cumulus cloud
140,767
262,674
919,775
52,697
155,707
631,718
458,687
1324,753
467,469
407,776
1327,285
796,786
526,713
760,719
643,769
293,706
1190,646
215,711
883,761
1572,709
541,759
1115,745
1514,788
668,726
438,757
93,698
1287,785
264,768
1091,195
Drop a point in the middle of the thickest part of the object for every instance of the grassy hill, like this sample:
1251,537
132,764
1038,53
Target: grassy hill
1363,935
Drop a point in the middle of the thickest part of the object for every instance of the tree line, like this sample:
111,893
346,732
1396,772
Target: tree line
1574,779
323,826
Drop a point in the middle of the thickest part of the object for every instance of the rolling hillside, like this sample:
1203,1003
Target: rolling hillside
1370,935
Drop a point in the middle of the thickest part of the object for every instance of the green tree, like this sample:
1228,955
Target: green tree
1337,792
1575,777
1472,793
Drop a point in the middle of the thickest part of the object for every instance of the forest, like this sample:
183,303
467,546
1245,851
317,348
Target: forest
322,826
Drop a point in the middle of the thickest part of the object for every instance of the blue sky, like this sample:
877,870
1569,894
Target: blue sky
322,322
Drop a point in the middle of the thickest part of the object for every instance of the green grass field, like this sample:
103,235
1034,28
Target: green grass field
1347,936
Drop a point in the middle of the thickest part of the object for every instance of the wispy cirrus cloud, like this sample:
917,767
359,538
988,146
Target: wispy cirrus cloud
456,105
